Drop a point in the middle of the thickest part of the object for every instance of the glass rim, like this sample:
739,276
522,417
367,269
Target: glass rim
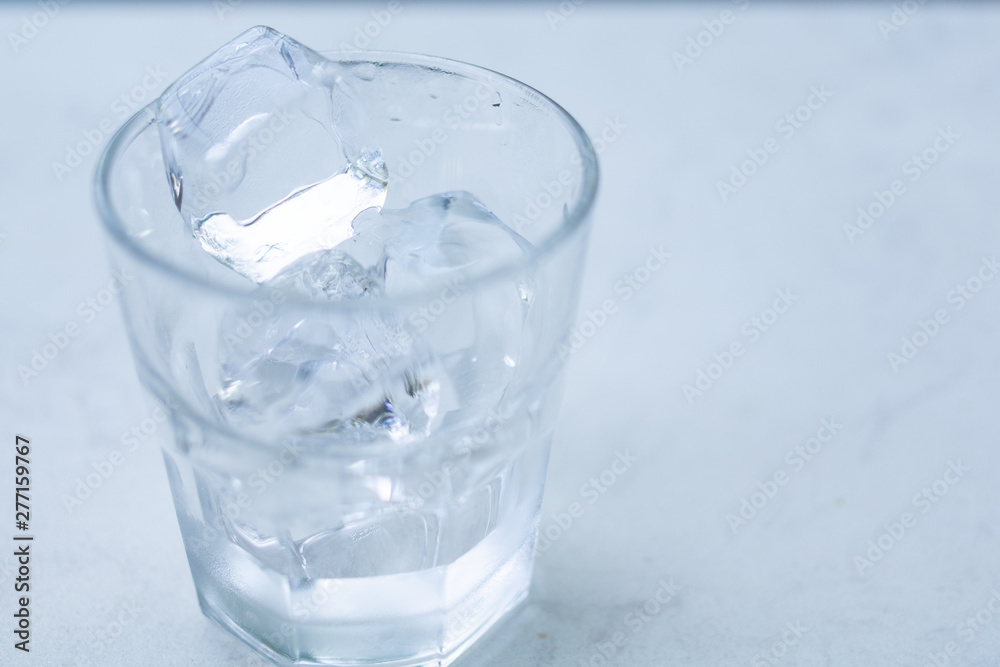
573,221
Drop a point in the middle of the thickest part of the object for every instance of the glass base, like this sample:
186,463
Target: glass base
417,619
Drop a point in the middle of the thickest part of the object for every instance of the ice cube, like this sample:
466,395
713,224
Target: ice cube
442,240
267,153
330,274
360,375
452,234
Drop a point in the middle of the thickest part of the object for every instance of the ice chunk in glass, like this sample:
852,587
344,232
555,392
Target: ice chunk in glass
232,131
361,375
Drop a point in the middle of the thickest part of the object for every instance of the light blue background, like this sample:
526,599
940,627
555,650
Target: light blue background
671,133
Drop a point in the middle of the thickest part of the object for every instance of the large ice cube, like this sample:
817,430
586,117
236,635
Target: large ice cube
440,241
233,130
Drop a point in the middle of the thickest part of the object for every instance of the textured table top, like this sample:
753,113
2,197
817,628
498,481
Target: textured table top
783,439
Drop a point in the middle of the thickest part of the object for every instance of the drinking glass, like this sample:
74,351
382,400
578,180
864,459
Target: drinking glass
378,502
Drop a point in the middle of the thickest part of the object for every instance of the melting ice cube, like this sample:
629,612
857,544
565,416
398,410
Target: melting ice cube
233,130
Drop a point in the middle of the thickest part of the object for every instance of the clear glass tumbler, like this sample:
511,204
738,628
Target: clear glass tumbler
377,539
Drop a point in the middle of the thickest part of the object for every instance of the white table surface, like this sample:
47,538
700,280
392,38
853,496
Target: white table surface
117,558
